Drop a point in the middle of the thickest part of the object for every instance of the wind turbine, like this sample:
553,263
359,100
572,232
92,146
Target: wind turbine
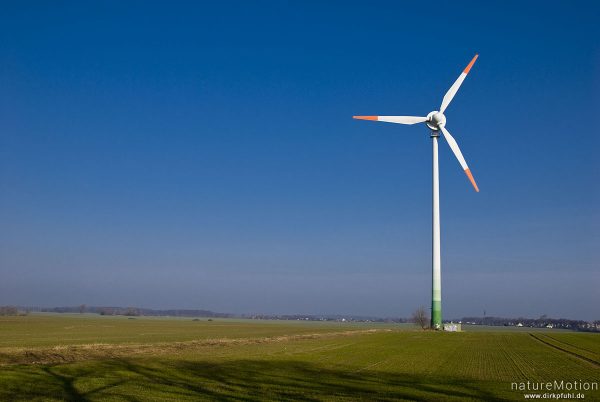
436,121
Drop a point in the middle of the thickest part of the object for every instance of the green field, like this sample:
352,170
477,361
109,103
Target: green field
89,357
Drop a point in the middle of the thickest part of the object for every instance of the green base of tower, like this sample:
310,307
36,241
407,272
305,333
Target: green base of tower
436,314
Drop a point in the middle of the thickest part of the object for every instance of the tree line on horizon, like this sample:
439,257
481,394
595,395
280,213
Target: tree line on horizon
420,319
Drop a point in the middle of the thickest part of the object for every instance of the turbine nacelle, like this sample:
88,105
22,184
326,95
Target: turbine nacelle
435,120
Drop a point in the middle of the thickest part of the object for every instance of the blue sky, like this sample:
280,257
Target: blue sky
203,155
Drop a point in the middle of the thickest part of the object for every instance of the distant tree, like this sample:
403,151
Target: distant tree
420,317
8,310
106,311
82,308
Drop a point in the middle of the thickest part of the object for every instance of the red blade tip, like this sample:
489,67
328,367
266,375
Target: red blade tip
468,68
470,176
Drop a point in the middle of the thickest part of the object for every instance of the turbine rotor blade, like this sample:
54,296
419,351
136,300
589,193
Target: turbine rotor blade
454,88
394,119
454,146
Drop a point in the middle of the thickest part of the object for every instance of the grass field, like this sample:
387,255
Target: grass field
88,357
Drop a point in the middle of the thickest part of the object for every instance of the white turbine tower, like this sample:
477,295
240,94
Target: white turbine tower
436,121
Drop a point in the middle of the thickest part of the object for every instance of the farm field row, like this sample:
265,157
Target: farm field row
43,329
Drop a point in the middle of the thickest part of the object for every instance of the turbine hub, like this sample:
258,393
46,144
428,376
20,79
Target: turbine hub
435,120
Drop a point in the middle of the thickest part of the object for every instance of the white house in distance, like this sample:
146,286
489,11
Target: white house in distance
452,327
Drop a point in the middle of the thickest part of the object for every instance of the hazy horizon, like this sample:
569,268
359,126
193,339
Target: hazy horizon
416,289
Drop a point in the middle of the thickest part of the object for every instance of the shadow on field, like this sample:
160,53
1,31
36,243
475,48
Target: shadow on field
248,380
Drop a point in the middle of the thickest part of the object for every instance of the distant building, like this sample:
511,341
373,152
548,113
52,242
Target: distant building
452,327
